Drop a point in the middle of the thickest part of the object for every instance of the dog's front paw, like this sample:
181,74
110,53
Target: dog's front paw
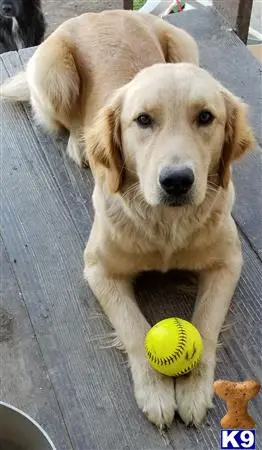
155,394
194,394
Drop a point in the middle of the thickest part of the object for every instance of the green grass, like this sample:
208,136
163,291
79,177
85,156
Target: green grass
138,4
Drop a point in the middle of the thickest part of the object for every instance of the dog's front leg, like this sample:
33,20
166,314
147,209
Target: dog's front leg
154,392
216,287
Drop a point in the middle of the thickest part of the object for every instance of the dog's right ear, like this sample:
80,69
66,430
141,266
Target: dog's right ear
104,147
239,137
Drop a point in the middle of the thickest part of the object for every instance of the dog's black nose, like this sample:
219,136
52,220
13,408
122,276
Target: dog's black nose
7,9
176,180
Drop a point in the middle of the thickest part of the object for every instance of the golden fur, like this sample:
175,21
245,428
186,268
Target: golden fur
95,82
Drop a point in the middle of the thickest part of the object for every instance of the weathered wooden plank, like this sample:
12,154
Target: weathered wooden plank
24,379
247,176
92,385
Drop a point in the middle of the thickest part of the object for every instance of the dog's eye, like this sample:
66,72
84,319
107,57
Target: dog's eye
144,120
205,117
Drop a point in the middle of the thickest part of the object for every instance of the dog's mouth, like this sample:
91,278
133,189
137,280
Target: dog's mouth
176,201
136,191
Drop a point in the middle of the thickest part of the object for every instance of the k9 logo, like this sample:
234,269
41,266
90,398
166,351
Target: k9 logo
238,439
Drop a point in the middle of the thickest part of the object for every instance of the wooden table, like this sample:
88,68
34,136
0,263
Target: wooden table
53,364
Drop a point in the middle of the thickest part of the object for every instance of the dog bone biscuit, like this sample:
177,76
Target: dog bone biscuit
237,396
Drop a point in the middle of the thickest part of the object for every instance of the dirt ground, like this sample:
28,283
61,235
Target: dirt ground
57,11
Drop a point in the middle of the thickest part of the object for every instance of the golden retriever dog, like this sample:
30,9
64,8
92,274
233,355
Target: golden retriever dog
160,135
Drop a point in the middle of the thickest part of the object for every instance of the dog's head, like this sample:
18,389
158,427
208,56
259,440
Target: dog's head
10,8
171,129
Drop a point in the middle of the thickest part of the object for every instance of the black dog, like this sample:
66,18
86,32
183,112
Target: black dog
22,24
7,42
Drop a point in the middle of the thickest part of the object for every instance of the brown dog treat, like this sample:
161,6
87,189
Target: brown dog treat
237,396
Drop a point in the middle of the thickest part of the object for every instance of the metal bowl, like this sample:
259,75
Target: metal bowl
18,431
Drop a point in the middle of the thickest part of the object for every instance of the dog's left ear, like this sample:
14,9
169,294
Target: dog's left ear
239,137
104,146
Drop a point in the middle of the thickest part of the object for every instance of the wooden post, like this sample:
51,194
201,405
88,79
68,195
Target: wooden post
243,19
128,4
237,13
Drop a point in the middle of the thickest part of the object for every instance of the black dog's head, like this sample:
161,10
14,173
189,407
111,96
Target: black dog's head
11,8
7,42
29,21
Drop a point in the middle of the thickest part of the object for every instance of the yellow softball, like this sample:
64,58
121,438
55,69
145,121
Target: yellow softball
173,346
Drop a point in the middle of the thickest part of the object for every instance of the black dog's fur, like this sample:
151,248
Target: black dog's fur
7,42
22,24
